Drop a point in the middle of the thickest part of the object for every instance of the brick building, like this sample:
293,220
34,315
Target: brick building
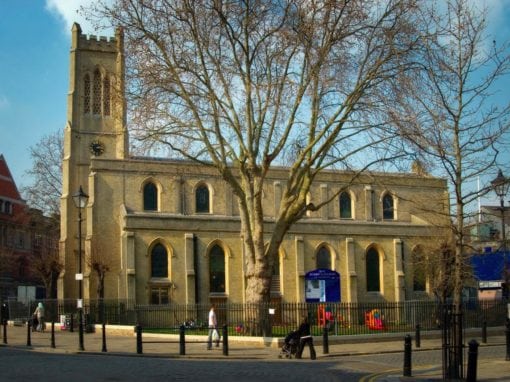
26,238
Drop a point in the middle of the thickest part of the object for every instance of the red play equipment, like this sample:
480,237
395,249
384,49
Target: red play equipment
374,319
324,313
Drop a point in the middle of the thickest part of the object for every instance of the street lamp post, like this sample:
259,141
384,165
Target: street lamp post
500,185
80,200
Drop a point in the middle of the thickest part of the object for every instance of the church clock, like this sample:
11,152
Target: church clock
96,148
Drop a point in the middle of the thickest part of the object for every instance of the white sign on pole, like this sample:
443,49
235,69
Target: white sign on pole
79,303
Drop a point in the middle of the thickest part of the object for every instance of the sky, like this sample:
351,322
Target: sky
34,71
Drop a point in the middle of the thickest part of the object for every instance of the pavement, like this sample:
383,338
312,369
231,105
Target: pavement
491,366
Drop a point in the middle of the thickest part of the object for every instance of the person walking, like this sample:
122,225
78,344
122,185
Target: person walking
213,327
305,339
39,314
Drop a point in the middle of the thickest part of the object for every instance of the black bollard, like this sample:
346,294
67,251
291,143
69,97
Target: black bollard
472,360
103,349
507,331
407,356
71,324
484,332
29,329
325,339
182,340
225,340
139,339
52,334
417,337
5,331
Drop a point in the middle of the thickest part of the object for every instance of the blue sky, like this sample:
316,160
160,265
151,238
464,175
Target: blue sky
34,68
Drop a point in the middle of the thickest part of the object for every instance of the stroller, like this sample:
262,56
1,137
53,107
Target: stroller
34,322
291,345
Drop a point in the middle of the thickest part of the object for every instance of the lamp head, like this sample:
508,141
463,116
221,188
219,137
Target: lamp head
80,198
500,185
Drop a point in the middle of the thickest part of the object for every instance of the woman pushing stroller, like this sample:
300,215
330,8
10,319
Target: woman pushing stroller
296,340
305,338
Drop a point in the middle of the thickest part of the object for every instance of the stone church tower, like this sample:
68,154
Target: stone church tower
95,129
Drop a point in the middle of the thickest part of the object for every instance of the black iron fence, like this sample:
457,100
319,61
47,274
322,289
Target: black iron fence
272,319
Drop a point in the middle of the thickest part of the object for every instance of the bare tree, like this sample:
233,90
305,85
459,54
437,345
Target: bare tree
46,174
44,260
245,85
449,115
101,266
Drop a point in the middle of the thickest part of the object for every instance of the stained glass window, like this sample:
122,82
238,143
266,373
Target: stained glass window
159,261
323,258
217,270
373,276
388,208
202,199
345,206
150,197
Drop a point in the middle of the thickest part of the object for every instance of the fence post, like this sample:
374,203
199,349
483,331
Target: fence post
71,325
182,340
225,340
29,329
407,356
472,361
484,332
139,339
5,331
52,334
104,338
418,337
325,339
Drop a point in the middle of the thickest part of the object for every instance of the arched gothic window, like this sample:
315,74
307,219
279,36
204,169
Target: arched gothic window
150,197
345,206
388,207
372,269
86,94
323,258
202,199
106,95
159,261
217,270
96,93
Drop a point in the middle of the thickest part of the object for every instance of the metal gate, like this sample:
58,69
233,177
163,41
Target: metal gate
453,343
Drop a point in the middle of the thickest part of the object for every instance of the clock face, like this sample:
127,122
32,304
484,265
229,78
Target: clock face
96,148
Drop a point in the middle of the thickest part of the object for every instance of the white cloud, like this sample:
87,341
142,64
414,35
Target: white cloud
68,12
497,14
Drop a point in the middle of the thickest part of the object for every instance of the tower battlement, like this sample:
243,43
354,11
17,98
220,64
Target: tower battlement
94,42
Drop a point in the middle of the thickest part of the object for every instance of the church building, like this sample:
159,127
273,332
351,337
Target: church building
169,230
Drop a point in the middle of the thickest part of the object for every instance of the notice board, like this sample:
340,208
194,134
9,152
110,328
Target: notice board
322,285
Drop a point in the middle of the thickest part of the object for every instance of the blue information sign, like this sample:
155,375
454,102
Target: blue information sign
322,285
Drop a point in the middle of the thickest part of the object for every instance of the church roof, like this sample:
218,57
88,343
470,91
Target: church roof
8,187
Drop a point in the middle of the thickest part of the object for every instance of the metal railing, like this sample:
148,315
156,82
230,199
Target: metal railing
271,319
